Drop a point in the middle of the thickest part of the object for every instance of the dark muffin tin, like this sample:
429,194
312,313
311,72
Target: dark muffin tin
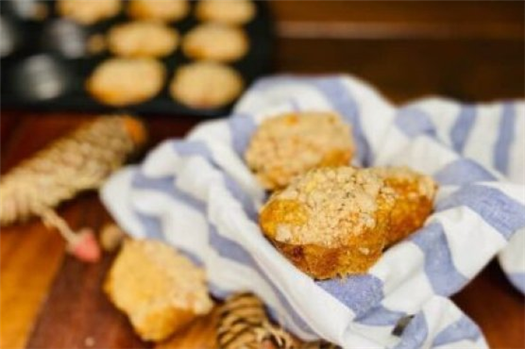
45,61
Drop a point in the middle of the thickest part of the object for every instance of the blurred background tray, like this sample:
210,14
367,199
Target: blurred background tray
59,48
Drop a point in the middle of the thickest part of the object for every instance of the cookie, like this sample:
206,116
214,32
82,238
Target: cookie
159,10
88,11
330,222
216,42
233,12
206,85
142,39
125,81
288,145
159,289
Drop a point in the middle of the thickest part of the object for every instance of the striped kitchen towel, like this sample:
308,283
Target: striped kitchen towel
198,195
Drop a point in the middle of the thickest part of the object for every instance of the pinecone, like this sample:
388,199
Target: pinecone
77,162
243,323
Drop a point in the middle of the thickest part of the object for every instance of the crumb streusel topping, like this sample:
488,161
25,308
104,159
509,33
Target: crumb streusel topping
289,145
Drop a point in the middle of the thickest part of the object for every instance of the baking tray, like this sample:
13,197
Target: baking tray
45,70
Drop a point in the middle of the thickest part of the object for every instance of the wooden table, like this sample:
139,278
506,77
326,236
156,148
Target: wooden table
466,50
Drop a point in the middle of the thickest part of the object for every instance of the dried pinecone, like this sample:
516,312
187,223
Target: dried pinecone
243,323
77,162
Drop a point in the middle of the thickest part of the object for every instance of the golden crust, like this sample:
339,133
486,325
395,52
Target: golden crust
205,85
414,193
291,144
215,42
233,12
142,39
159,10
337,221
160,290
125,81
88,11
331,221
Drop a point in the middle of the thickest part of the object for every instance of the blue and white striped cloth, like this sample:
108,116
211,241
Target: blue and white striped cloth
198,195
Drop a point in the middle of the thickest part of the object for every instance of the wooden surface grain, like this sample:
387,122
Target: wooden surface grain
464,50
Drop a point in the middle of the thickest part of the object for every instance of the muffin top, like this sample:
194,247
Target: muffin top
142,39
159,10
328,207
234,12
206,85
217,42
291,144
88,11
122,81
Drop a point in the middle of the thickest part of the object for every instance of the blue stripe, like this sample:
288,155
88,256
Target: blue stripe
241,129
358,292
463,329
413,121
199,148
415,333
439,267
461,129
517,280
493,206
463,172
505,138
345,104
380,316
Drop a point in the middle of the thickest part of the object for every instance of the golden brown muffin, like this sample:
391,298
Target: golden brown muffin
206,85
414,193
232,12
160,290
88,11
159,10
142,39
215,42
330,221
291,144
126,81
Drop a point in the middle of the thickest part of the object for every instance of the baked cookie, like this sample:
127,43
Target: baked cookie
88,11
142,39
125,81
216,42
330,221
414,197
291,144
206,85
159,10
233,12
160,290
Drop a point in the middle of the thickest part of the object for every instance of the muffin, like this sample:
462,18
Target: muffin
215,42
291,144
142,39
160,290
330,222
159,10
414,193
126,81
88,11
232,12
206,85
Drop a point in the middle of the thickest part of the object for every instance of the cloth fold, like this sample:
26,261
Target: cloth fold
198,195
